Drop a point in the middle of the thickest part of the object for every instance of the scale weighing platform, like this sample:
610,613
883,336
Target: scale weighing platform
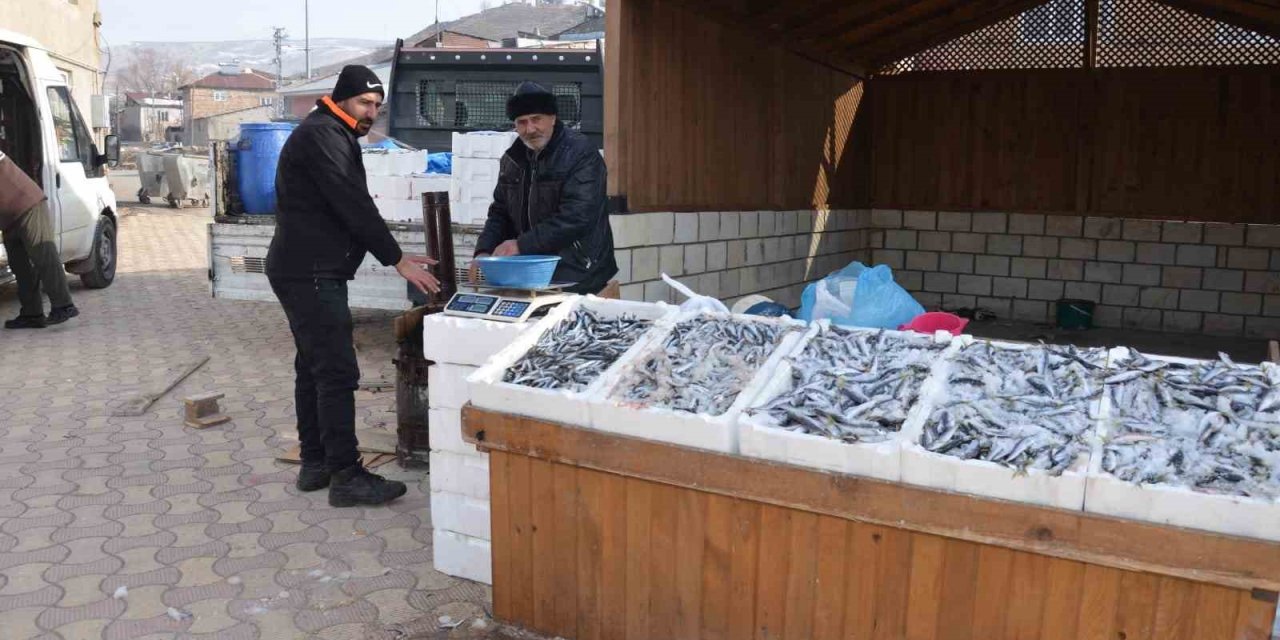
502,304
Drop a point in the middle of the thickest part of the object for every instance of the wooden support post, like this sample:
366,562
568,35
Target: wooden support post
1091,34
202,411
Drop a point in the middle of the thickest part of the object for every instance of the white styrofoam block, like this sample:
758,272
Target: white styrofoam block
476,170
475,190
399,210
447,385
759,439
444,433
466,341
1181,507
376,163
410,162
462,556
469,212
388,187
482,144
488,391
428,183
460,514
714,433
456,473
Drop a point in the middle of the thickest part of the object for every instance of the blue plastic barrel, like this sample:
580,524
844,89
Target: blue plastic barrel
258,153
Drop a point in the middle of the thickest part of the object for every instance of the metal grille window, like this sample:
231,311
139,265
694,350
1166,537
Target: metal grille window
1145,33
1055,22
568,101
430,104
1046,37
482,104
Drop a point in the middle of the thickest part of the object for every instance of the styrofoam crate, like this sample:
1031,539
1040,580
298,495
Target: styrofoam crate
457,473
408,162
399,210
460,514
429,183
883,460
444,433
469,212
466,341
388,187
1173,505
979,477
447,385
476,190
714,433
482,144
377,163
475,170
488,391
462,556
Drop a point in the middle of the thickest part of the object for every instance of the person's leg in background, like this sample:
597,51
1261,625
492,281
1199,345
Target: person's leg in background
42,247
314,475
31,315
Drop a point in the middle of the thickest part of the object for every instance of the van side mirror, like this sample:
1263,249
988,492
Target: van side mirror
112,156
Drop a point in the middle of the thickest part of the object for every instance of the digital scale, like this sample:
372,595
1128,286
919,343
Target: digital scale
502,304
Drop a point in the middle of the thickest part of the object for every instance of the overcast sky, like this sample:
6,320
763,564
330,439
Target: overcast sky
213,20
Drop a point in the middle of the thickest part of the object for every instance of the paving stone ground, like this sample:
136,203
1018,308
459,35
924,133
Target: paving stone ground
205,524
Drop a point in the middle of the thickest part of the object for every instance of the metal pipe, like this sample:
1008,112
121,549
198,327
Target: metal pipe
306,17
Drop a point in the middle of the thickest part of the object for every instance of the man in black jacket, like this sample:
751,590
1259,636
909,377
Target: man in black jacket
550,198
325,224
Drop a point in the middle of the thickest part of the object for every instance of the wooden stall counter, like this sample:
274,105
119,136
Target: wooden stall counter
602,536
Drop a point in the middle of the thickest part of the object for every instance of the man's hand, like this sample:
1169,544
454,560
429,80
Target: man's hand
413,269
508,248
473,273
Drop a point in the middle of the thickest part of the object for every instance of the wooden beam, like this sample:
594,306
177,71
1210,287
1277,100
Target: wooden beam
893,20
1262,16
1091,33
840,19
1135,546
615,41
926,34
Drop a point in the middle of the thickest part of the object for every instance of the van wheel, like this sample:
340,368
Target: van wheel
104,256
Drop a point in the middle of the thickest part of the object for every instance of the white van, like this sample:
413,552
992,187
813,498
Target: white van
42,130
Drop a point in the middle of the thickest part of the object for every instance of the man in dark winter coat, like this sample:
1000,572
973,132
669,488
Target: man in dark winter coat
32,249
550,198
325,224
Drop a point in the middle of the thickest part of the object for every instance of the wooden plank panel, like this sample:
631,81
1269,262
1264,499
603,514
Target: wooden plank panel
501,531
542,531
520,488
1255,618
1204,557
833,569
1028,586
802,576
1175,609
565,545
692,535
1099,598
638,559
893,577
613,556
960,576
861,579
774,555
743,560
1216,609
993,593
1136,610
716,567
1063,596
924,591
662,563
590,548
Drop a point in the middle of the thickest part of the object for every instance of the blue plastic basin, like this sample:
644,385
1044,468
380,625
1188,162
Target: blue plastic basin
525,272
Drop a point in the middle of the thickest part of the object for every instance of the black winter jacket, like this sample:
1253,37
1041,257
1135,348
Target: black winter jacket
326,219
555,205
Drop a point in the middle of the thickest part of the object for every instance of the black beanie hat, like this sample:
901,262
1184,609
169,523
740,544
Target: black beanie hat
354,80
530,97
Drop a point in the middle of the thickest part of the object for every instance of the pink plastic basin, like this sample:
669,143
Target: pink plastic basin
936,321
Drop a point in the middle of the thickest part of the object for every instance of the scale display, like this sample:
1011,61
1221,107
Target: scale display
507,307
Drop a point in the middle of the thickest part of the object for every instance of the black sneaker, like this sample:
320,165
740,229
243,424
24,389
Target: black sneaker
356,486
62,314
26,322
313,477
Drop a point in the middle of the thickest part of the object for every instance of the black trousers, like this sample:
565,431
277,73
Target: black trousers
34,261
327,373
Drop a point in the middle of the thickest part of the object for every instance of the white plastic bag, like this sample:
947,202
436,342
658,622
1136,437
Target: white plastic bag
695,302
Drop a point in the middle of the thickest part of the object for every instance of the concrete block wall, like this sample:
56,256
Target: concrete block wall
1192,277
732,254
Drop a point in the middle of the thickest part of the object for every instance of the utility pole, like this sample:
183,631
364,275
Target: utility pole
278,38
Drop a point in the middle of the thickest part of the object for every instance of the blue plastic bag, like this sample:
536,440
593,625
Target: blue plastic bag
440,163
859,296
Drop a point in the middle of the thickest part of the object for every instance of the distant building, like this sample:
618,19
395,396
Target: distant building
506,25
231,89
225,126
69,30
146,119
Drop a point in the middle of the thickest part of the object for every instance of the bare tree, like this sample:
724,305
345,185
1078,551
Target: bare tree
154,72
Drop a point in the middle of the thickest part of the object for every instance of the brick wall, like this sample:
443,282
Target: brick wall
1144,274
1189,277
731,254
